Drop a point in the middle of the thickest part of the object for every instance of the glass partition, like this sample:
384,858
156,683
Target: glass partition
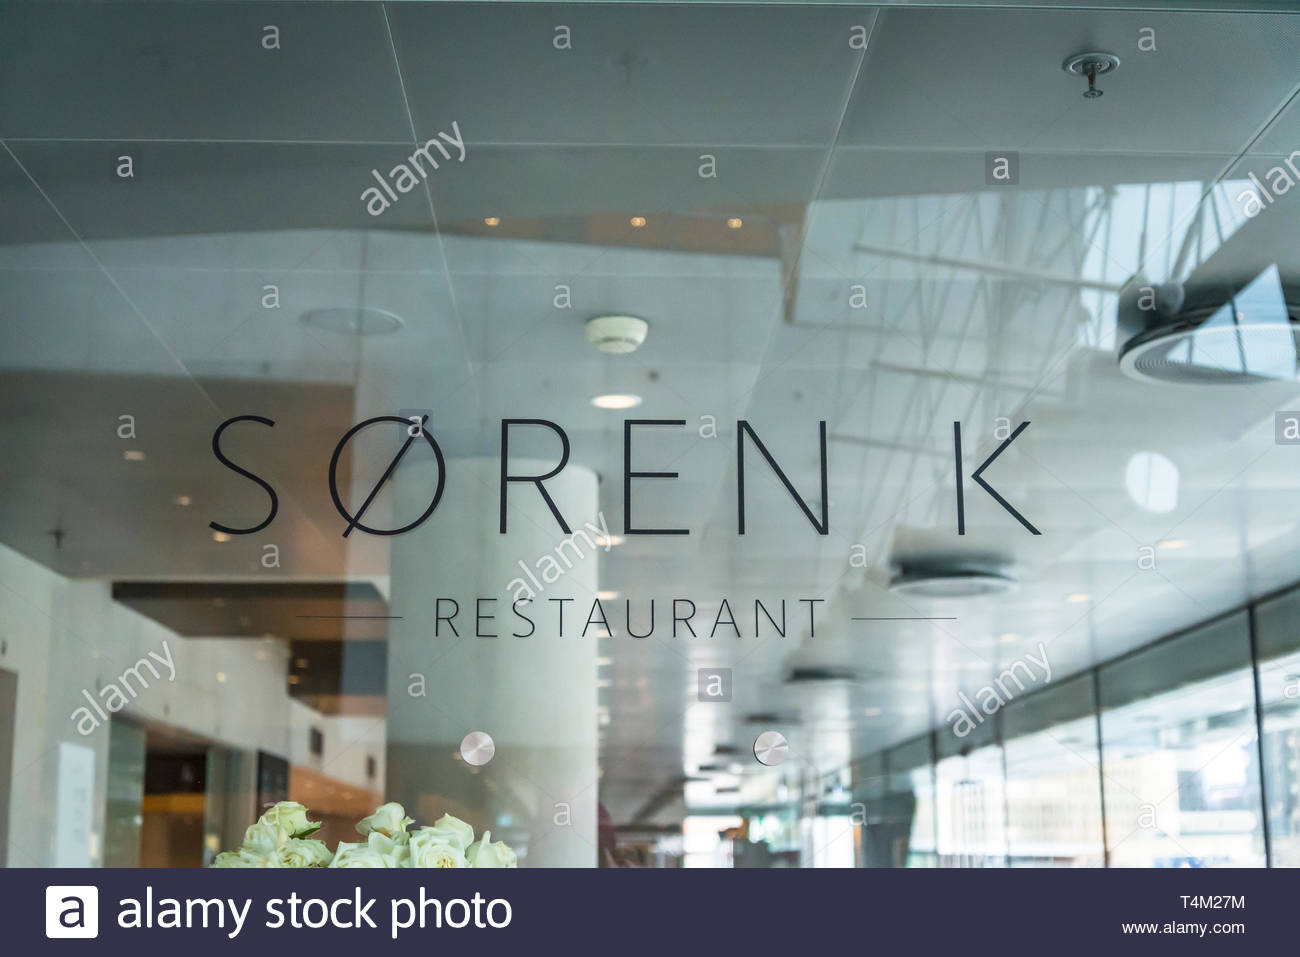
970,799
1278,648
569,418
1054,778
1180,752
904,835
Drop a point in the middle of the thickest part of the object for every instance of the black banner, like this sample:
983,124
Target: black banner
631,911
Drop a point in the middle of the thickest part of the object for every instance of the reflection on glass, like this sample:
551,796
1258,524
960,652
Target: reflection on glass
703,840
1181,769
1053,778
833,840
1279,695
971,806
900,829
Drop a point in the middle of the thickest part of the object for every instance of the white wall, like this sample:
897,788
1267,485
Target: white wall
64,637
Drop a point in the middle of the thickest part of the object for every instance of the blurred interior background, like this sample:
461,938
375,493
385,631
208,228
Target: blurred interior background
889,219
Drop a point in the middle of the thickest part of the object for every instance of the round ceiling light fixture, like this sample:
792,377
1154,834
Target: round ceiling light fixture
1196,350
951,579
353,321
616,335
1212,334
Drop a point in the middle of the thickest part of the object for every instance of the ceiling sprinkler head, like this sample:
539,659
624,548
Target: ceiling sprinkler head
1091,65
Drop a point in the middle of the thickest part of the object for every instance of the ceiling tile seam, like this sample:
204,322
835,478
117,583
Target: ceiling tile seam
810,146
85,247
509,145
1292,97
433,212
135,308
1223,173
818,185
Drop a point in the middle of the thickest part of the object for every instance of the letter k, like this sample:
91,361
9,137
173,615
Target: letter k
976,476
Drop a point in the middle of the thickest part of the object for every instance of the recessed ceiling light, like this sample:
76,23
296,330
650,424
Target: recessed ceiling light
221,677
133,455
606,595
183,500
735,222
491,221
1079,598
637,222
1173,543
353,321
609,541
220,537
616,401
1009,638
941,578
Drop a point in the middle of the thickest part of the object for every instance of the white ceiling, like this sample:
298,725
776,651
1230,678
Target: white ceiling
249,164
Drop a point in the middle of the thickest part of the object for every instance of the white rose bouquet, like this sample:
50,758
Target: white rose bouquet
282,838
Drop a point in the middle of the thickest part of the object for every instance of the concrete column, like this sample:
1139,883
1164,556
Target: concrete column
535,696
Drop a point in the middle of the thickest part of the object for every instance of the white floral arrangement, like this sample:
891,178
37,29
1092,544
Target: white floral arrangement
282,838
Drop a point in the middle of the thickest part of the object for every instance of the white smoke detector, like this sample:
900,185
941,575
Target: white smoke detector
616,334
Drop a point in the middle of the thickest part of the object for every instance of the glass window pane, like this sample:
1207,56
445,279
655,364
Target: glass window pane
1279,692
1053,779
901,832
971,805
1181,779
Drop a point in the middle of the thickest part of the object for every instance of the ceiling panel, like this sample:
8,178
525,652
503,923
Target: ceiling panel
188,188
712,76
143,71
992,80
1282,138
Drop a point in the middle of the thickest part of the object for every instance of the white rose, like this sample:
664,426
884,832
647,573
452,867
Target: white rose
392,849
453,830
298,852
431,848
241,858
292,818
389,820
379,850
264,837
496,854
356,855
